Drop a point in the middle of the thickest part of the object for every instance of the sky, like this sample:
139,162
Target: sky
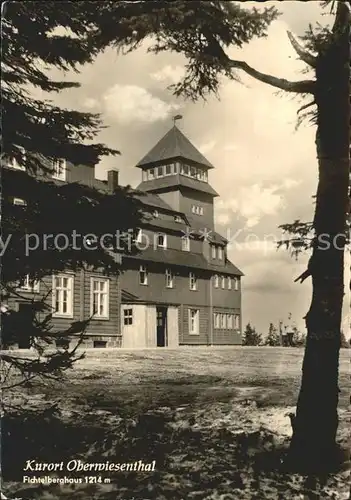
265,170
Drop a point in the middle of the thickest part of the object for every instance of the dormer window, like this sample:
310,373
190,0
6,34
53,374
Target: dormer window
220,253
185,243
159,171
155,214
168,169
214,251
177,218
139,237
162,240
15,164
151,173
19,201
59,169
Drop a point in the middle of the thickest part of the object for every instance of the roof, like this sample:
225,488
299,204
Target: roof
174,145
183,259
176,180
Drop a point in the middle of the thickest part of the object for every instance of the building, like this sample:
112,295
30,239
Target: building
180,288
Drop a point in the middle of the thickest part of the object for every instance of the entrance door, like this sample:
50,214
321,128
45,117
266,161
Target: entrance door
161,322
26,317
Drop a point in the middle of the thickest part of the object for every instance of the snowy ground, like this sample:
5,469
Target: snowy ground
214,419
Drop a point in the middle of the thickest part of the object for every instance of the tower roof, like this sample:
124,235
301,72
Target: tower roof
174,145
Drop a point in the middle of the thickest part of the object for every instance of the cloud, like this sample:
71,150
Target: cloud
207,147
90,103
252,202
169,74
131,103
230,147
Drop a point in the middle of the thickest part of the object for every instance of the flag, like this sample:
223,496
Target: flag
177,117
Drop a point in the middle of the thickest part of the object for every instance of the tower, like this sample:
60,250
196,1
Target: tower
176,171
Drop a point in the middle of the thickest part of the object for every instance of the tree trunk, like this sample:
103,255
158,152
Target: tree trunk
313,445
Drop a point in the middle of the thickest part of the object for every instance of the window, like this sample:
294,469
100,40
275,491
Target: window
159,171
14,163
229,321
229,283
214,252
220,253
142,275
177,219
59,169
223,321
155,213
205,177
169,278
29,285
162,240
194,321
236,321
185,169
99,344
236,284
197,210
128,317
151,173
186,243
62,296
192,281
139,237
192,172
168,169
216,318
223,282
99,300
216,281
19,201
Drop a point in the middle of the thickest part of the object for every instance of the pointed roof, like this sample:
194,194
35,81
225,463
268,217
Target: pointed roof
174,145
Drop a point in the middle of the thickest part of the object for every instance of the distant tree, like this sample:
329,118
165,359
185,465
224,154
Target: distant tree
273,337
251,337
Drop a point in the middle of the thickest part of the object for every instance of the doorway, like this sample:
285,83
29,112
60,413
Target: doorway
161,322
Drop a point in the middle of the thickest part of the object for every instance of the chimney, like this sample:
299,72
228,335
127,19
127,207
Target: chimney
112,180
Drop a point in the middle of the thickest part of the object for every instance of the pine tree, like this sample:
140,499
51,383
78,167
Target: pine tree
203,32
35,132
251,337
273,337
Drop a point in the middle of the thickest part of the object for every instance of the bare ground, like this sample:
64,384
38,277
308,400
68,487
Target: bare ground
214,419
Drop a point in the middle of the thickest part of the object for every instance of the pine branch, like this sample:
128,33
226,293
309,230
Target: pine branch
299,87
303,54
